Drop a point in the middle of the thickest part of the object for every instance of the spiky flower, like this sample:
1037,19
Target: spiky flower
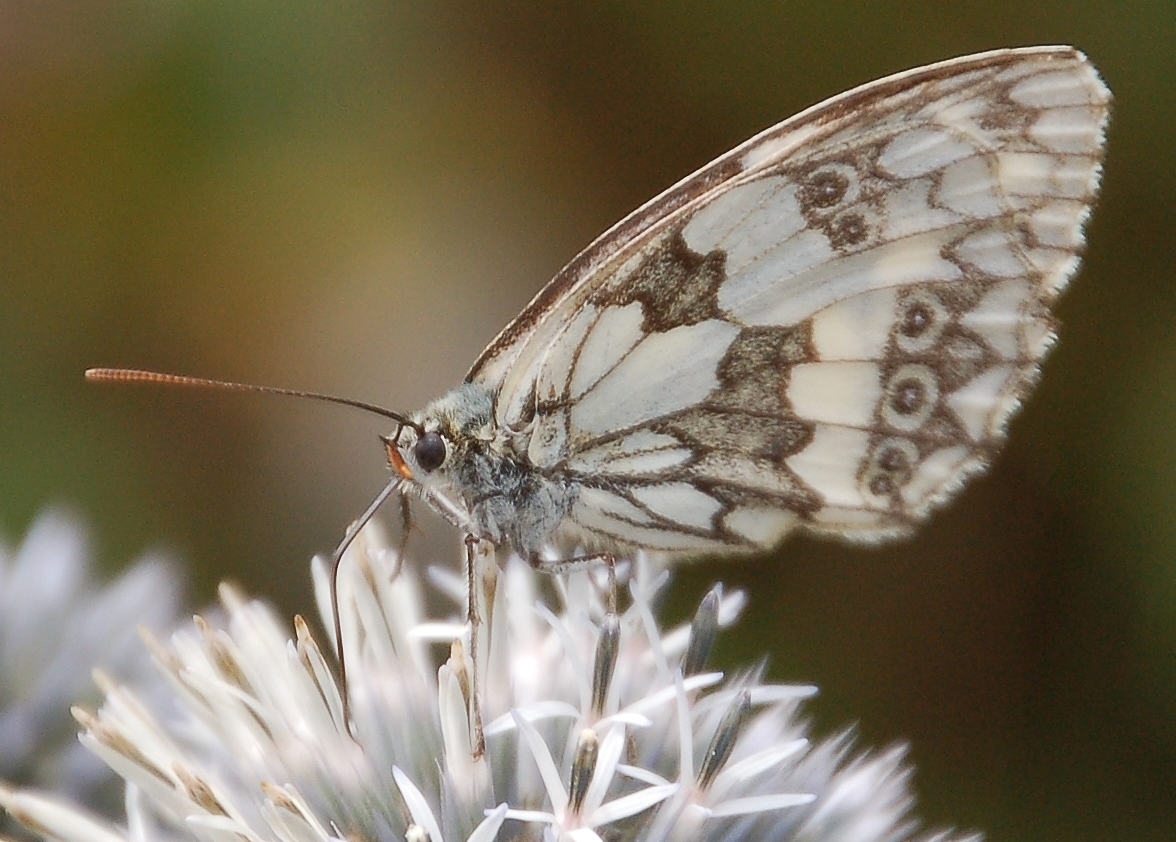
598,724
57,624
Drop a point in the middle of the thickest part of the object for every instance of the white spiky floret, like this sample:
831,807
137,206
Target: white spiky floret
58,622
598,725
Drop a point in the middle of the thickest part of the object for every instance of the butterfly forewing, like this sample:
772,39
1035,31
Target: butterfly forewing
826,328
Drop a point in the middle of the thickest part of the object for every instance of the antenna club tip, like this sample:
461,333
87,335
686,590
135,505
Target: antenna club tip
105,375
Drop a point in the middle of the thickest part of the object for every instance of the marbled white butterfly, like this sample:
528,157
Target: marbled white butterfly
826,329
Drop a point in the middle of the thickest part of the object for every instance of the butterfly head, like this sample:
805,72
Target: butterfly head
430,446
416,453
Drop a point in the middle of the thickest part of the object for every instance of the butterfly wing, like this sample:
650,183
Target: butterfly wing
828,327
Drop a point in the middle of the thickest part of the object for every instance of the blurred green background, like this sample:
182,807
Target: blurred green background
355,197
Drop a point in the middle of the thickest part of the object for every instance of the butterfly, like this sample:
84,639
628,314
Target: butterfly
824,330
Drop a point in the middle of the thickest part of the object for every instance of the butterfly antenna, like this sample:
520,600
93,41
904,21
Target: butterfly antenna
131,375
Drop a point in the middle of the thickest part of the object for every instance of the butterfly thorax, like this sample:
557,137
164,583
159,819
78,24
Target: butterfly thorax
485,472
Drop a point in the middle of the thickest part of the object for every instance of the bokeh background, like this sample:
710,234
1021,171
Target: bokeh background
354,197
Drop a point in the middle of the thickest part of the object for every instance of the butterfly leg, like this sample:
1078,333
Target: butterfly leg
474,618
334,564
581,562
406,527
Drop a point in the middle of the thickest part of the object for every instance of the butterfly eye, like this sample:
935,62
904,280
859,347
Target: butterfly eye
429,452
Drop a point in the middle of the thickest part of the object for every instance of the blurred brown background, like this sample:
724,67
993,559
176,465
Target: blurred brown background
355,197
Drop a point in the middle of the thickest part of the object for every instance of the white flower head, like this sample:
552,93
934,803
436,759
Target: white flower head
57,624
599,725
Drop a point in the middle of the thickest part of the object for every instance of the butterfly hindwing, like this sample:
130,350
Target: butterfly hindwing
828,327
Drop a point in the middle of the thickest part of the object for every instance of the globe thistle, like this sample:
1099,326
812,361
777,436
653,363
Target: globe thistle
598,724
57,624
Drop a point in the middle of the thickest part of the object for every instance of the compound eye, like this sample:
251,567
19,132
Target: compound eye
429,452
